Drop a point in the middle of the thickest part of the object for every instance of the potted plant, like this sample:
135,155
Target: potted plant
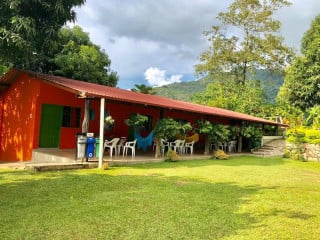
137,121
108,123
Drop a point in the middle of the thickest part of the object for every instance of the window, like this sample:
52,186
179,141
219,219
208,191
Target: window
71,117
92,115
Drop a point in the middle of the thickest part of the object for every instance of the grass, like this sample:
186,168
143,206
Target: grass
240,198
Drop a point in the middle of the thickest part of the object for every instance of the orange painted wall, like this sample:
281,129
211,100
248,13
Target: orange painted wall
18,120
56,96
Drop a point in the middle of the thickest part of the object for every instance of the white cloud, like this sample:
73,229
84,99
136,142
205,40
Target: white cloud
137,34
157,77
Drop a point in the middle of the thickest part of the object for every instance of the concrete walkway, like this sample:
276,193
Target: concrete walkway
58,159
46,159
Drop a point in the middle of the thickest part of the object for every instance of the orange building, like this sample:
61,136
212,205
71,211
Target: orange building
45,111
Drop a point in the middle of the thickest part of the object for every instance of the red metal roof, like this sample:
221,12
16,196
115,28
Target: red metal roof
121,95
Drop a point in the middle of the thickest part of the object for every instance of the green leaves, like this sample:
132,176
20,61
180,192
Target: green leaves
216,132
255,46
302,82
169,128
227,94
137,120
79,58
29,29
204,126
142,88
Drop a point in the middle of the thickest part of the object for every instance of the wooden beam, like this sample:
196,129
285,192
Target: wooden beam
101,132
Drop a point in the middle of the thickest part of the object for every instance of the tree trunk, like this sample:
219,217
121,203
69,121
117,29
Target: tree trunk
207,145
157,152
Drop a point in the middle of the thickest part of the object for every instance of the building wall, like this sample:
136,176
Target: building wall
21,117
121,112
56,96
18,119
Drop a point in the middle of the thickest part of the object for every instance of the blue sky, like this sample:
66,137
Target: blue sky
159,42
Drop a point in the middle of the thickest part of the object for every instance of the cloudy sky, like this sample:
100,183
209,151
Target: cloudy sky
159,42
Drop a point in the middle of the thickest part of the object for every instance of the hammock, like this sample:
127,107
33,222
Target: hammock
194,137
143,143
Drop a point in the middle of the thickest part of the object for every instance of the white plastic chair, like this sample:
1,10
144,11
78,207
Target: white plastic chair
111,145
181,148
222,146
178,146
189,146
130,145
175,145
120,145
163,145
232,146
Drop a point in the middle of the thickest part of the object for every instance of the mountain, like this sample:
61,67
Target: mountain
183,90
270,83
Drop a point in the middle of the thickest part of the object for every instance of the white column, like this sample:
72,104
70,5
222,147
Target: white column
101,149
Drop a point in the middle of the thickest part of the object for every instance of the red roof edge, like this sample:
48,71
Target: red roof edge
121,95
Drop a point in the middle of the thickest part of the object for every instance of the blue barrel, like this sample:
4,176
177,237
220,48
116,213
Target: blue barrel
90,147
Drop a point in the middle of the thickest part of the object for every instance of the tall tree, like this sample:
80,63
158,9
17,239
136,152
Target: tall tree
247,98
78,58
28,30
257,44
301,86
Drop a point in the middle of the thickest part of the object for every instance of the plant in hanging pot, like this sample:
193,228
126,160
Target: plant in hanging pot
137,121
108,123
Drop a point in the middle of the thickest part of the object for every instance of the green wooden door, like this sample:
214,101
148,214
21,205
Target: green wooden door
51,122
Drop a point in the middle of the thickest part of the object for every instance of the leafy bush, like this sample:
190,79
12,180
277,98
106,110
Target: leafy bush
295,151
303,135
168,128
216,132
312,136
137,120
254,134
296,135
313,117
204,127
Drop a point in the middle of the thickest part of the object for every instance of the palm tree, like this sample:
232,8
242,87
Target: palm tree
142,88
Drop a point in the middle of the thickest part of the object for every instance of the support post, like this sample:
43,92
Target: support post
239,144
85,123
101,132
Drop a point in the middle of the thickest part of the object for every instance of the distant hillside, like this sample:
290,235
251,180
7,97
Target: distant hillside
181,91
270,83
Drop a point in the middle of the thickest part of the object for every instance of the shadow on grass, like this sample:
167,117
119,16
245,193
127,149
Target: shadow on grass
289,214
233,161
94,205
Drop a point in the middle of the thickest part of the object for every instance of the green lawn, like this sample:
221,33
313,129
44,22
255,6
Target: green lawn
240,198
